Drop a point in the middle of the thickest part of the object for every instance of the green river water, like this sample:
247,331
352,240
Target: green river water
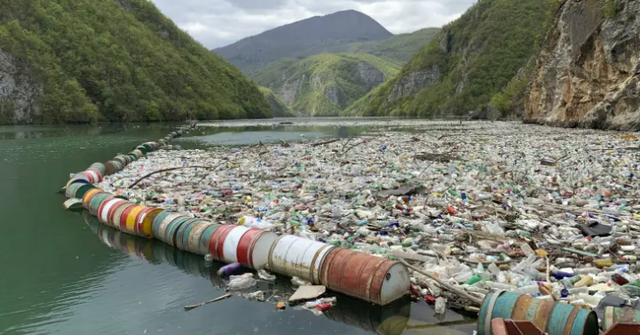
64,273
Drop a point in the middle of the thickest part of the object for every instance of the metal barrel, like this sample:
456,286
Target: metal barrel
116,212
99,167
217,241
613,315
188,232
554,318
96,177
110,168
364,276
182,231
84,188
97,201
105,209
228,249
172,229
86,198
132,217
161,223
295,256
253,248
122,219
71,190
194,236
205,239
145,221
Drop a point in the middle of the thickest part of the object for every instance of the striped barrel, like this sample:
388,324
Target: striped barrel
549,316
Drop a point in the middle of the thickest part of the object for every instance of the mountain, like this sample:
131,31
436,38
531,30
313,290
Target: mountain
325,84
320,34
398,48
278,108
111,60
470,61
588,72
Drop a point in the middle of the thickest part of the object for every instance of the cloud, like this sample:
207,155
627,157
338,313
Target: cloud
217,23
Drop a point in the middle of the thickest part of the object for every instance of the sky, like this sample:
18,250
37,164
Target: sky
217,23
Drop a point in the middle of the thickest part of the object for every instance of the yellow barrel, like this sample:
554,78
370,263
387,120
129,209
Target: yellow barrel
131,219
145,219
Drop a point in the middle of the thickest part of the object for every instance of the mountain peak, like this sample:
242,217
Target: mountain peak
304,38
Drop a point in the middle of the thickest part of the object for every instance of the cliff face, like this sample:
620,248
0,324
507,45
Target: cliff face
19,94
588,72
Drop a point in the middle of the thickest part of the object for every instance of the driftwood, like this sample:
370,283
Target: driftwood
170,169
460,292
353,146
190,307
325,142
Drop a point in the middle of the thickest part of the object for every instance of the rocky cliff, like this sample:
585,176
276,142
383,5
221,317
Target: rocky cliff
470,61
588,72
19,94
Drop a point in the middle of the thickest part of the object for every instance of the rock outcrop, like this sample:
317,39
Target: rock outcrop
588,72
19,94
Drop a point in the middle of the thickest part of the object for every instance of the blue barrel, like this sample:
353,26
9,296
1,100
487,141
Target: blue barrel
551,317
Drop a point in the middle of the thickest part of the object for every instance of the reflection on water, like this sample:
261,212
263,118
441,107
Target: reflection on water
394,319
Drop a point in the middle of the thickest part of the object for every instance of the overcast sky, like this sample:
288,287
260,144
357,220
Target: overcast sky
216,23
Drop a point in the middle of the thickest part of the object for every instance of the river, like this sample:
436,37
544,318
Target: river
64,273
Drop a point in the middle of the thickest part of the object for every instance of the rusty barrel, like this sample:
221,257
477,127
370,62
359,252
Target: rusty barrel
254,246
194,236
295,256
613,315
554,318
364,276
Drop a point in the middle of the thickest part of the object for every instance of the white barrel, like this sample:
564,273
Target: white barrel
260,251
230,246
295,256
104,215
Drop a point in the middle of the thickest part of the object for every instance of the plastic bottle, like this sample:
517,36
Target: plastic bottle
584,281
441,306
529,289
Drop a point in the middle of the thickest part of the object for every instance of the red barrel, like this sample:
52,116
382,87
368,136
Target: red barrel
217,241
124,216
112,217
254,246
364,276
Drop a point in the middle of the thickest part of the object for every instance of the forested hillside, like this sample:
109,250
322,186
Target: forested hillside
470,61
325,84
115,60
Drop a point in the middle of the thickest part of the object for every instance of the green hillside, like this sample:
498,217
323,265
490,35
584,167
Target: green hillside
325,84
278,108
471,60
115,60
397,48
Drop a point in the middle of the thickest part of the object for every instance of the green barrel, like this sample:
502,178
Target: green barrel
205,238
551,317
98,166
155,227
172,229
183,230
83,189
96,201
